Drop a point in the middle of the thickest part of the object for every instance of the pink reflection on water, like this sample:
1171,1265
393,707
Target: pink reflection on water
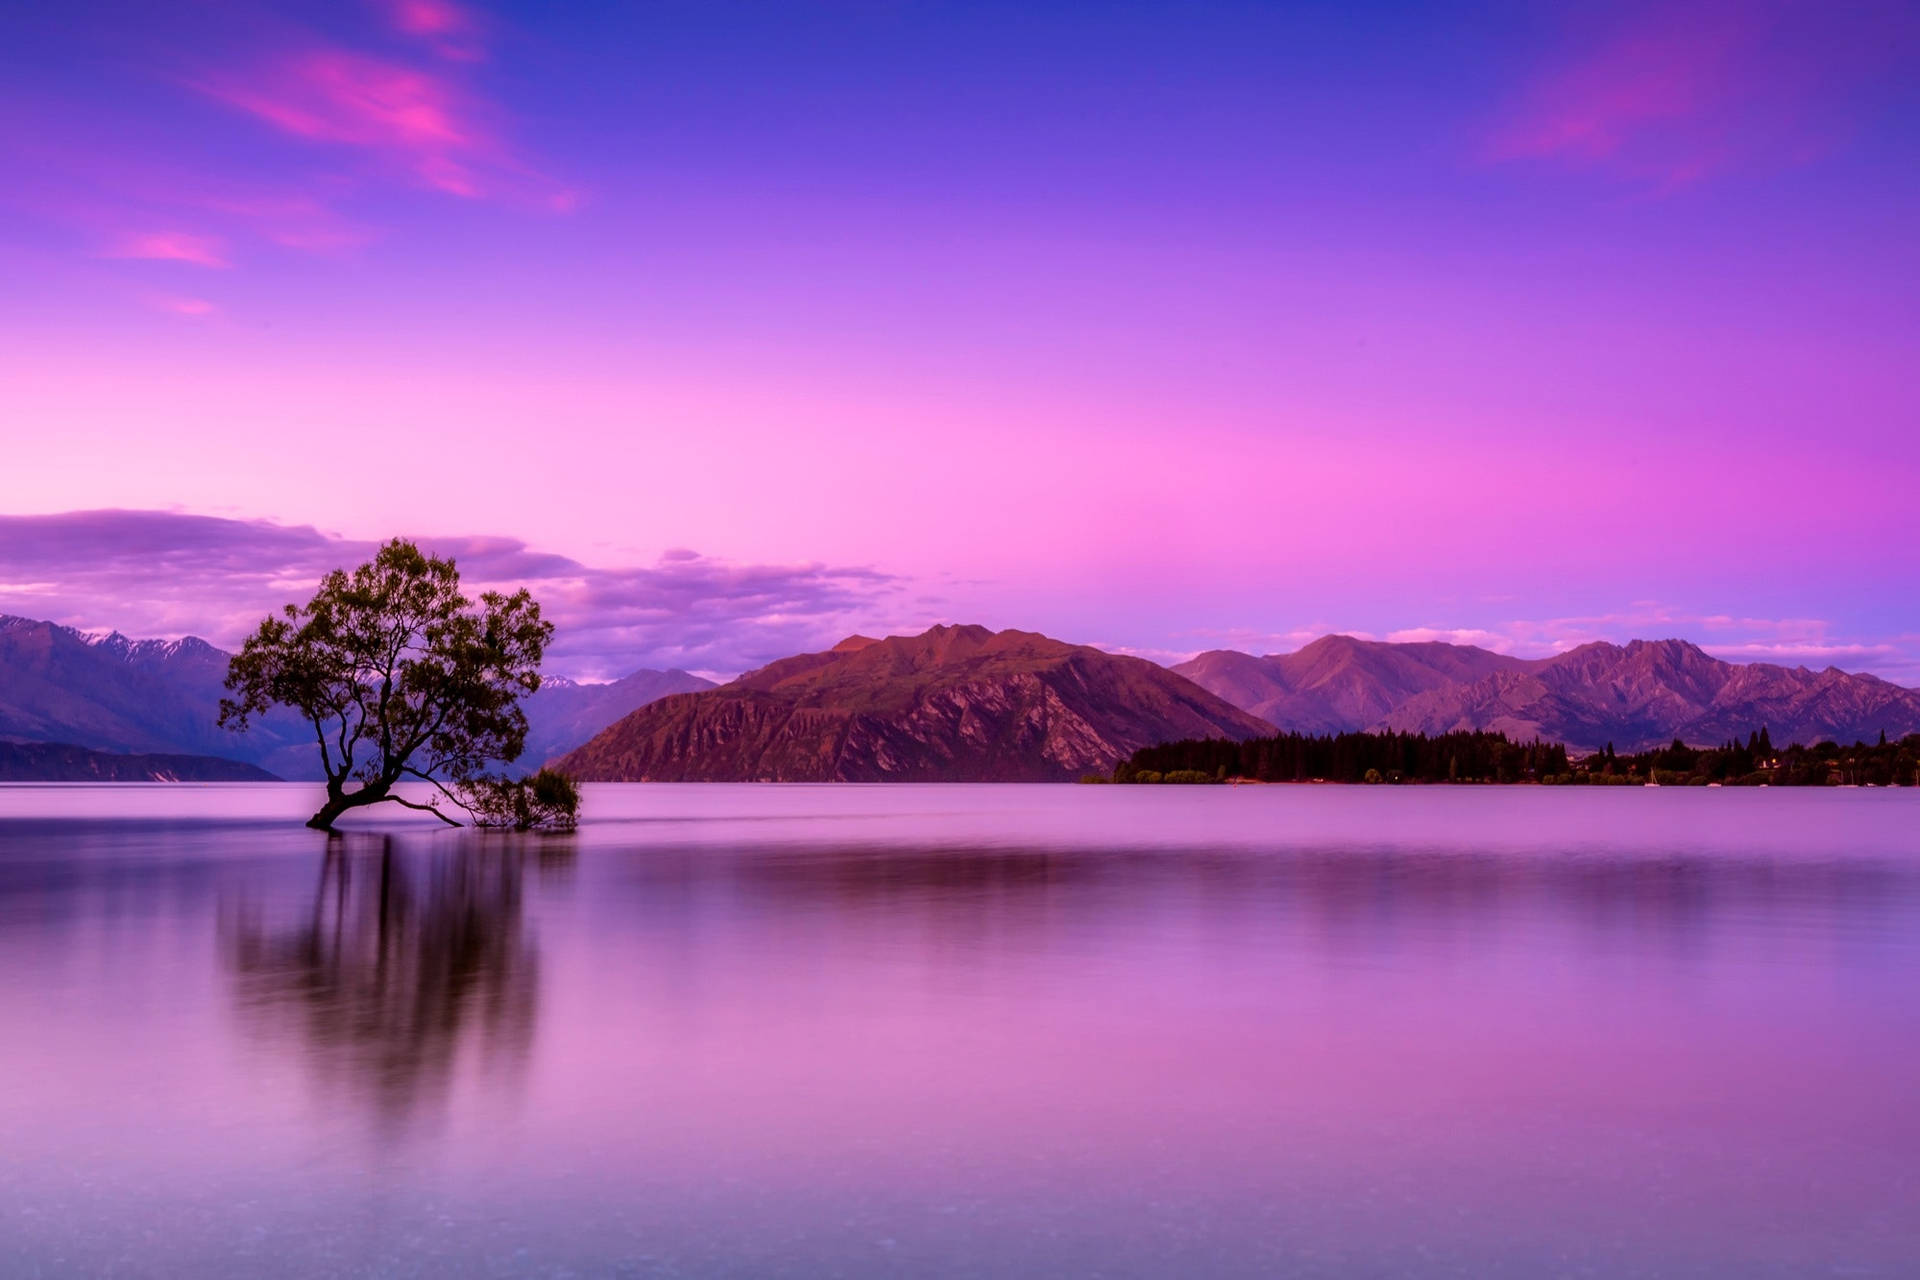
1321,1032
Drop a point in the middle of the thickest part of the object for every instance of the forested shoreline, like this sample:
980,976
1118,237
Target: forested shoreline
1483,758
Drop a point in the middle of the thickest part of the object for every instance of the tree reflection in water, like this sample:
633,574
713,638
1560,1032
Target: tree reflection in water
409,969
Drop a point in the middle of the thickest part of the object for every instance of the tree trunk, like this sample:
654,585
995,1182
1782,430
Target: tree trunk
339,800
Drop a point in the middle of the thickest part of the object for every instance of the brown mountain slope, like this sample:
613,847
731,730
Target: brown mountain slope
952,704
1338,683
1639,695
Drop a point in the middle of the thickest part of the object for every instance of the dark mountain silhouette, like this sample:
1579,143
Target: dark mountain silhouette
109,693
952,704
565,714
62,762
1637,696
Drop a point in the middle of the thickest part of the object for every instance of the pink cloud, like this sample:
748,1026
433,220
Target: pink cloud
1786,641
451,30
423,122
1679,93
193,308
333,96
170,246
1477,636
171,573
416,117
294,221
1608,103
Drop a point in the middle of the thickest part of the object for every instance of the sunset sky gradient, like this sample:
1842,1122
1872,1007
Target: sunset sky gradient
1164,327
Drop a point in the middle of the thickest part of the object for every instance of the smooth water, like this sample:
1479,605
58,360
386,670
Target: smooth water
965,1031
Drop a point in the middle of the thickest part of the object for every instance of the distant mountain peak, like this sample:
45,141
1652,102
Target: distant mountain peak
108,693
952,703
1338,682
1639,694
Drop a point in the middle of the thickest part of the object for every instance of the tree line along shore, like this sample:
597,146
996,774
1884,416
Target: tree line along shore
1481,757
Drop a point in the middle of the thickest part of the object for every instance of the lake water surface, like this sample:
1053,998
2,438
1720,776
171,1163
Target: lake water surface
965,1031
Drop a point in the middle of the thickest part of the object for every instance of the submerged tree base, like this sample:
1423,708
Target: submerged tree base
340,801
406,681
543,801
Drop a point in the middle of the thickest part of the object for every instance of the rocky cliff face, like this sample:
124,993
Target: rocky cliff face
1639,695
952,704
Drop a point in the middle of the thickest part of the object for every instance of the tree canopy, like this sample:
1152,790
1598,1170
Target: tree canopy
404,679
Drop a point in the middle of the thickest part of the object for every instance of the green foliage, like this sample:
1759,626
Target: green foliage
1491,757
400,675
1178,777
1350,757
547,800
1756,762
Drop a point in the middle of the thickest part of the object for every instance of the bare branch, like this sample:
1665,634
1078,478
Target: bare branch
425,808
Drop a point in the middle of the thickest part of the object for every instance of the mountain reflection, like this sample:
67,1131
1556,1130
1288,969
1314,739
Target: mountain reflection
961,907
407,973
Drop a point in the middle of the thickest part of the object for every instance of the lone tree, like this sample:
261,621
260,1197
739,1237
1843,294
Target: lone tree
404,679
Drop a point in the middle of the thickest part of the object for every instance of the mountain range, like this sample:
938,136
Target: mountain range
954,703
1337,683
106,693
962,702
1637,696
565,713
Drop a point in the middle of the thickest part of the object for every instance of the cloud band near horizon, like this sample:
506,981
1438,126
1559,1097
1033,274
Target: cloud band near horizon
171,574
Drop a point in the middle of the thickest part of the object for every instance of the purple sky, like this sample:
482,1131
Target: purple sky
1163,327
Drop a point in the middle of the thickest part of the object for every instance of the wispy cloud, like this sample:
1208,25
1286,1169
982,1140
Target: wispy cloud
1637,103
193,308
415,117
165,573
1251,640
1671,94
169,246
451,31
1811,642
291,220
1162,656
397,100
1477,636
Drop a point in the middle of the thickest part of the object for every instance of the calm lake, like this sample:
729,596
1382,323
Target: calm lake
965,1031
